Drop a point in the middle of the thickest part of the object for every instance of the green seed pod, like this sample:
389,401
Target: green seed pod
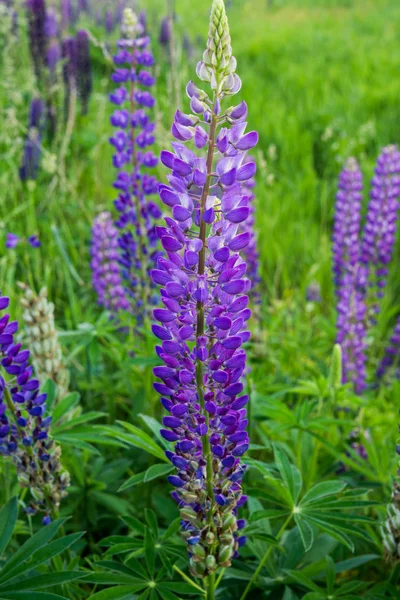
210,537
224,554
229,522
226,538
211,563
199,551
197,569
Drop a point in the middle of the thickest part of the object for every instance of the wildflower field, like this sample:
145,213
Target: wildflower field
199,299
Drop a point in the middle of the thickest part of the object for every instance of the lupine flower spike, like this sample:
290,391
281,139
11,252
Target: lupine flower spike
24,428
350,297
202,326
105,267
380,227
133,136
42,338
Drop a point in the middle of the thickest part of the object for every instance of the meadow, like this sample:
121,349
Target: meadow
322,517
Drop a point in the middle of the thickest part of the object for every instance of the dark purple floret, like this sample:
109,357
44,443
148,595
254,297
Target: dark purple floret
392,353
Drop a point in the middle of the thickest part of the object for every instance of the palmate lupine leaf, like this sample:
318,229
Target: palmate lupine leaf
18,576
323,507
149,559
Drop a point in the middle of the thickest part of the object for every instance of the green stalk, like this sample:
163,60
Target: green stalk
199,332
264,559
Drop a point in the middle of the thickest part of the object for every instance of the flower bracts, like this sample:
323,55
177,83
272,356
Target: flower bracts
202,326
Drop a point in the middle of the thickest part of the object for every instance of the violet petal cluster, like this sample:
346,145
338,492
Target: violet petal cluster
250,252
134,160
350,306
24,426
106,276
203,323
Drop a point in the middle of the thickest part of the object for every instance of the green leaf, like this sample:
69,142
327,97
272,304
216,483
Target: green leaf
334,530
151,520
149,552
173,528
119,592
43,581
132,481
267,514
330,575
32,596
65,405
38,540
300,578
139,439
155,471
134,524
321,490
8,519
84,418
109,578
43,555
306,532
289,473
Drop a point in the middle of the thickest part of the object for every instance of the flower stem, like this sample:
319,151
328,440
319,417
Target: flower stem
211,587
264,559
200,321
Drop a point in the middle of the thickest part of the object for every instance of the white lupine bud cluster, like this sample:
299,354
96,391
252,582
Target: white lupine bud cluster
42,339
130,24
218,65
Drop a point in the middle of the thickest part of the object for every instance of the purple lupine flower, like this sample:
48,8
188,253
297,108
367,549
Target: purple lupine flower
37,34
132,139
31,157
12,240
142,21
83,69
109,21
24,426
351,306
34,241
53,50
250,252
106,277
380,227
203,324
165,32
